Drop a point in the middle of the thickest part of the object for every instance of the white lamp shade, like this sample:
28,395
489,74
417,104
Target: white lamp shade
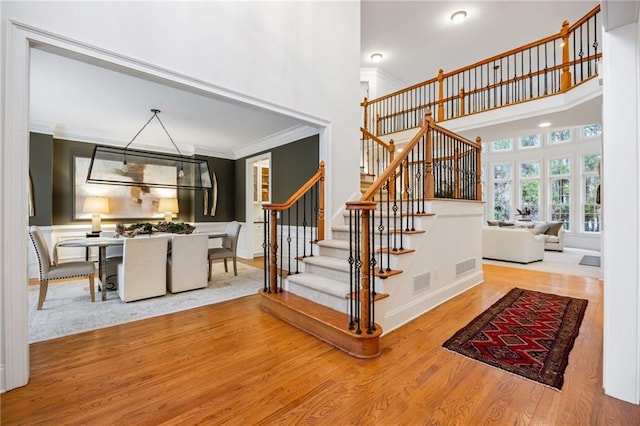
168,205
96,205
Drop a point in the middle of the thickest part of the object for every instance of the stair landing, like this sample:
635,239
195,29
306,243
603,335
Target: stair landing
326,324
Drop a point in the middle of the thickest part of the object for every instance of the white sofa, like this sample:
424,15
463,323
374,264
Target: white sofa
553,231
512,244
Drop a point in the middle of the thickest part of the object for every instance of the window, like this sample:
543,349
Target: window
501,145
560,136
501,191
560,190
592,130
530,141
530,188
590,184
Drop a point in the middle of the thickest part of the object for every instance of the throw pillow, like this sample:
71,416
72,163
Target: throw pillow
492,222
503,224
554,228
541,228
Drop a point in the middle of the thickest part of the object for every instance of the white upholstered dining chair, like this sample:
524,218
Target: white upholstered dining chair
187,263
142,273
228,249
49,270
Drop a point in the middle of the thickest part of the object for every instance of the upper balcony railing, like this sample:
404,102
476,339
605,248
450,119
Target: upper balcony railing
543,68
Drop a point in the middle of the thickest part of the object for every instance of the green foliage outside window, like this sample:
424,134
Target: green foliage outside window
592,130
530,196
530,170
560,166
530,141
501,145
502,171
591,162
560,136
502,200
560,200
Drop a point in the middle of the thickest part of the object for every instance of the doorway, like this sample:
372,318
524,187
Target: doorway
258,192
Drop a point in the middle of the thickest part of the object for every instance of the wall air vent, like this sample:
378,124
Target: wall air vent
465,266
421,282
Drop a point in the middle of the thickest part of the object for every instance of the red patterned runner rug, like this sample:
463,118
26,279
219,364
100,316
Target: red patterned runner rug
528,333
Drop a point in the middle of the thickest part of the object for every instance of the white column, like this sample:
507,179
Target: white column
621,204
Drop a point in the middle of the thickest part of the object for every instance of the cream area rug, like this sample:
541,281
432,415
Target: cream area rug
68,309
566,262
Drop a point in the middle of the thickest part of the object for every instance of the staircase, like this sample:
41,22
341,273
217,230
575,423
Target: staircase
392,258
321,285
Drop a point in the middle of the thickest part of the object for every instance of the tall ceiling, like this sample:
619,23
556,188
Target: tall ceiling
75,99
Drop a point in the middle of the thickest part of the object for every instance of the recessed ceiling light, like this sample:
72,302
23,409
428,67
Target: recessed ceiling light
459,16
545,124
376,57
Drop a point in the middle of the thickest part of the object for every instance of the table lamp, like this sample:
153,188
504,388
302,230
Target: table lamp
169,206
96,206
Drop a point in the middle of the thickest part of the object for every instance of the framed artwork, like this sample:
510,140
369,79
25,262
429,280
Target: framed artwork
125,202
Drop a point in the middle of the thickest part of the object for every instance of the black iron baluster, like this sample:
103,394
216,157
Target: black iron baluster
297,236
265,252
351,261
289,241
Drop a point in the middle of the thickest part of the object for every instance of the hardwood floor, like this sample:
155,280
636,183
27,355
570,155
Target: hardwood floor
231,363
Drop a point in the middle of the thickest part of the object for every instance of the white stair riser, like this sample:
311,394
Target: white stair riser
417,222
328,273
329,300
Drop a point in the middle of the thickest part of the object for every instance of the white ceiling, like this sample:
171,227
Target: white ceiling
77,100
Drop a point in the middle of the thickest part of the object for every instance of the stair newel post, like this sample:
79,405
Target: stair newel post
429,178
461,97
365,313
565,79
365,107
440,95
478,168
321,206
273,244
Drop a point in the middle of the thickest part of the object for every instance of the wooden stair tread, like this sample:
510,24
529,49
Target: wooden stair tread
386,274
378,296
392,251
415,231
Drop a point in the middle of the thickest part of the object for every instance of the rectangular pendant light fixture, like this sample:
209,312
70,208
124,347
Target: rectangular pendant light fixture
131,167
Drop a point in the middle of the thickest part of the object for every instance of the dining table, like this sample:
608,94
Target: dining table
102,243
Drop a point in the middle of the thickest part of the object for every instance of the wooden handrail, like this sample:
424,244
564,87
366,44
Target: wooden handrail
318,176
585,18
406,89
388,146
393,165
435,86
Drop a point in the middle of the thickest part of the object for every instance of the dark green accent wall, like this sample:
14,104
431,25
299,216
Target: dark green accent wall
41,170
51,163
291,166
55,184
225,175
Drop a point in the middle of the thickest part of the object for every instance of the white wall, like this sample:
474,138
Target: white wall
297,56
380,82
621,199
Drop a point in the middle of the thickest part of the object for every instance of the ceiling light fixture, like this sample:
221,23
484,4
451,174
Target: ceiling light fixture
129,167
544,124
376,57
459,16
